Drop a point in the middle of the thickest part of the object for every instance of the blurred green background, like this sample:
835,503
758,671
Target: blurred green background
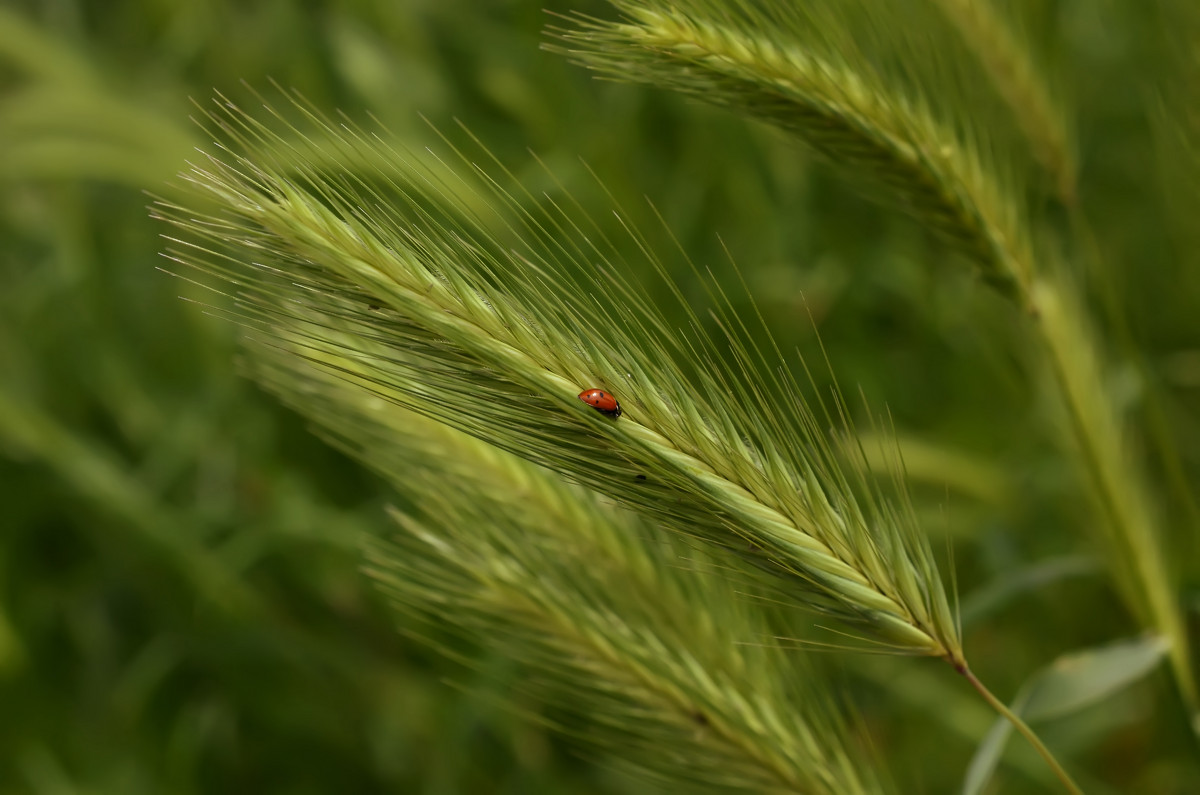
180,606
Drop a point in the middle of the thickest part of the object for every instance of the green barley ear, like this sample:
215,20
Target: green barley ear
492,317
799,70
676,676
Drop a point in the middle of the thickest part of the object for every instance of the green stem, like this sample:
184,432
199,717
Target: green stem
1137,555
1022,727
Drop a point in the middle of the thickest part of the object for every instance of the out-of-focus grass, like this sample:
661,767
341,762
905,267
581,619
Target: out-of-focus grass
180,606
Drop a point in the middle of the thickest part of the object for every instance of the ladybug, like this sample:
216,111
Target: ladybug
601,401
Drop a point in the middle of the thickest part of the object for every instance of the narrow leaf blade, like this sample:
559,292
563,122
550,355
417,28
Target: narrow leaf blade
1078,680
987,757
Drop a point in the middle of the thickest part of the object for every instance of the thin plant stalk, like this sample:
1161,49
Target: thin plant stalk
1132,536
1023,728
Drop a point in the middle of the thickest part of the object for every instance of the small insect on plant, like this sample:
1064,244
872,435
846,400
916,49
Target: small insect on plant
601,401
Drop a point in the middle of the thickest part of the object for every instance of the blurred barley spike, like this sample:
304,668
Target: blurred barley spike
1012,72
492,316
676,677
752,59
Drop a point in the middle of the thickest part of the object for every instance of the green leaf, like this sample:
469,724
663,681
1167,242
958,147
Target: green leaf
1069,684
1076,681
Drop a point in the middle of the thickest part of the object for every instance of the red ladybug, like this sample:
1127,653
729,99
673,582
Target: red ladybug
601,401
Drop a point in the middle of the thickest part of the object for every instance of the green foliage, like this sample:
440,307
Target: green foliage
182,606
